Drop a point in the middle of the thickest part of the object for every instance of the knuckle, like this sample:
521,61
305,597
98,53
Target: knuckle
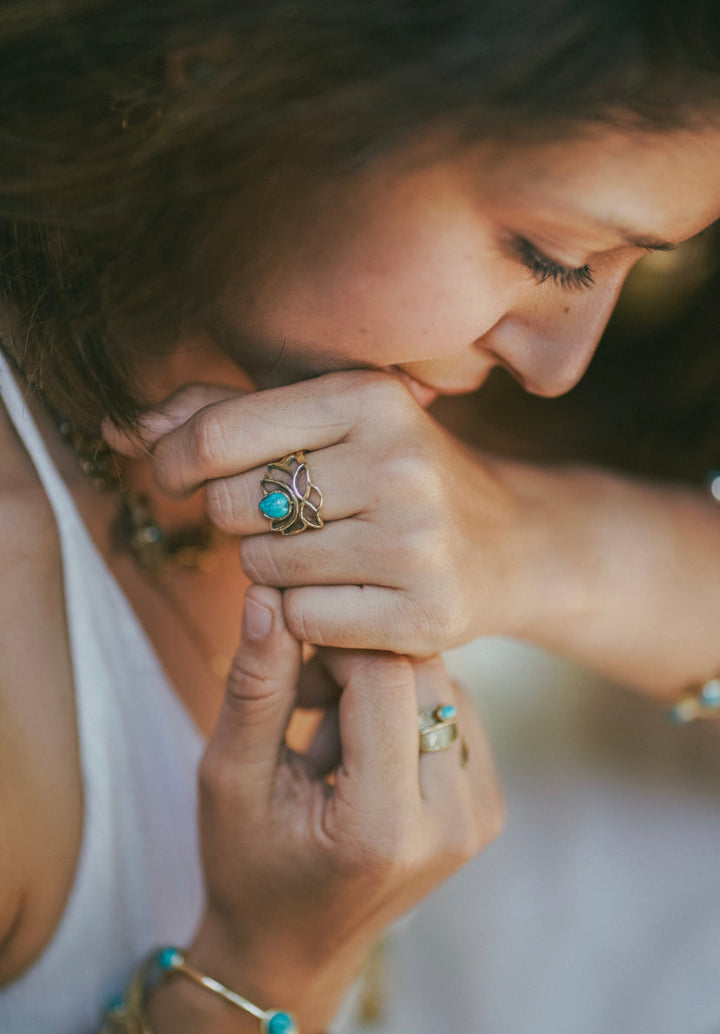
420,549
258,561
250,690
388,858
494,817
221,504
305,626
207,438
488,818
379,391
189,398
407,469
392,671
217,780
440,620
164,466
462,845
384,864
427,629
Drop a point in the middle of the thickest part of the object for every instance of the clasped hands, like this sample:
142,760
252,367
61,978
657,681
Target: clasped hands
308,856
426,544
429,543
418,547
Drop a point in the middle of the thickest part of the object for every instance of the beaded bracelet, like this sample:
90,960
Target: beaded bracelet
704,702
127,1015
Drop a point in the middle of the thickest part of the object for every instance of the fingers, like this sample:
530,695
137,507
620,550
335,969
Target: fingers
316,687
383,771
175,410
248,740
458,784
324,752
351,616
441,775
377,717
239,434
344,553
461,775
347,488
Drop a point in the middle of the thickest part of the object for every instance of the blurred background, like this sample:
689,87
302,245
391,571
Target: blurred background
597,911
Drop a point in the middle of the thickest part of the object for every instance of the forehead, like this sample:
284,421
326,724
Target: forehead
664,185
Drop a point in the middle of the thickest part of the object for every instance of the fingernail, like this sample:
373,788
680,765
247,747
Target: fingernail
257,620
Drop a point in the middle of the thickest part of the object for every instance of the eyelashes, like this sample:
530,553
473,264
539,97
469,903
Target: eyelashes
544,268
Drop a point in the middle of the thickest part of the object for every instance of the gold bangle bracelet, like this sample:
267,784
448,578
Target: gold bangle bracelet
127,1015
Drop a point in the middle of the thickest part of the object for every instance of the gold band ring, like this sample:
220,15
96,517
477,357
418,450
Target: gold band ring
437,728
290,499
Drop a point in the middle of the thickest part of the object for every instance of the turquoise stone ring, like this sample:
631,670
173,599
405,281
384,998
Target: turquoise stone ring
446,713
276,505
290,499
437,727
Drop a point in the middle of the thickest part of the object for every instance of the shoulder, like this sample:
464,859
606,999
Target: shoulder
40,802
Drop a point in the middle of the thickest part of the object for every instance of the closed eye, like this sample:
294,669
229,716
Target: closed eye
544,268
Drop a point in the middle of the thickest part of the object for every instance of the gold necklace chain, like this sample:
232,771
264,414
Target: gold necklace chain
135,530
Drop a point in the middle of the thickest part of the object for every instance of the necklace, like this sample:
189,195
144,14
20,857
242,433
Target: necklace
135,528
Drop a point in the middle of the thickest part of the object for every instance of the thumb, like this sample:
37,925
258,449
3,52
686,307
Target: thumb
248,740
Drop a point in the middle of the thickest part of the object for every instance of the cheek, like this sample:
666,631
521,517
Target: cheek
404,300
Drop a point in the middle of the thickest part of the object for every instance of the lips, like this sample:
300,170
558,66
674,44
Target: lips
423,394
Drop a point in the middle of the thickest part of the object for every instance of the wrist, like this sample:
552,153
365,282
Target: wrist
545,568
623,575
178,1006
267,975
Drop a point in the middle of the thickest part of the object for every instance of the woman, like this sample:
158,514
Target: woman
245,198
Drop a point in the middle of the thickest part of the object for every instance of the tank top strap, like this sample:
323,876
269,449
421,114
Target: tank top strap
60,499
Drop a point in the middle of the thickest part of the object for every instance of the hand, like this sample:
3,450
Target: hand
302,875
420,551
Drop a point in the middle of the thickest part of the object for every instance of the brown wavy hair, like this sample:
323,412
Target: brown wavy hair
114,180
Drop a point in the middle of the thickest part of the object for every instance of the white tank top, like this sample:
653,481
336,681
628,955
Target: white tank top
137,882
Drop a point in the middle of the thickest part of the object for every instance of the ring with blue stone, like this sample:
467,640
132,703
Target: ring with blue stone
437,728
291,501
705,703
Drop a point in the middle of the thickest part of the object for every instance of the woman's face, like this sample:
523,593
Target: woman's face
506,256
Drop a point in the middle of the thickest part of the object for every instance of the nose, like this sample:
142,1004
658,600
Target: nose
548,343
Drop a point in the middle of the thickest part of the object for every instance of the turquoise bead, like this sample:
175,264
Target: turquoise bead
116,1004
281,1023
276,505
168,958
446,712
713,483
677,716
710,693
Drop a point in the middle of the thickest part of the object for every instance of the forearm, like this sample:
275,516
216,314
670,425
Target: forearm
620,574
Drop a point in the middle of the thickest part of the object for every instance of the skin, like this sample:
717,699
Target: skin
418,290
424,291
320,868
421,276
